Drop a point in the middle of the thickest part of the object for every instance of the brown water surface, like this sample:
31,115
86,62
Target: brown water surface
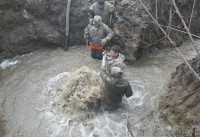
27,86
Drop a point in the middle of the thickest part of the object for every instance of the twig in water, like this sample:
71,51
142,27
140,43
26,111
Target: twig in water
129,128
41,110
143,118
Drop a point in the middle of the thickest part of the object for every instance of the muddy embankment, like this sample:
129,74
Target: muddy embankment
181,104
29,25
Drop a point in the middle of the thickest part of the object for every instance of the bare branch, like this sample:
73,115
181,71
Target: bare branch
181,17
171,41
192,14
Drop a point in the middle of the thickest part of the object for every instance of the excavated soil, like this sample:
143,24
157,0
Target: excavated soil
181,104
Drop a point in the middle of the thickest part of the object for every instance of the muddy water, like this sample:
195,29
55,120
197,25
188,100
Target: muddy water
28,81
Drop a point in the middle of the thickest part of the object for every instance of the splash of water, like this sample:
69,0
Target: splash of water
8,63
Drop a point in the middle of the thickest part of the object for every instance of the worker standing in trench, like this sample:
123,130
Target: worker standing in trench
106,10
98,34
115,88
113,58
112,75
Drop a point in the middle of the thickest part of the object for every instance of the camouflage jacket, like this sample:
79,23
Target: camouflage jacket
117,62
95,35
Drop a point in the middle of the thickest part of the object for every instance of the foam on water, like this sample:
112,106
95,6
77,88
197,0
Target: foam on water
8,63
139,92
100,123
53,84
147,77
24,55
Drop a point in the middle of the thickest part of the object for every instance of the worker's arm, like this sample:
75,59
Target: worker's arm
109,34
113,11
104,76
108,31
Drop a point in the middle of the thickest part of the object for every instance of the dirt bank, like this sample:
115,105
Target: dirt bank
139,34
28,25
181,104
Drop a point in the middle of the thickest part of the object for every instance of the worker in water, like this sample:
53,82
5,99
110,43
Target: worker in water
105,10
98,34
113,58
115,88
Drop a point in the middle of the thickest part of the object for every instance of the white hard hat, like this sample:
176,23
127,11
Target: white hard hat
97,19
116,72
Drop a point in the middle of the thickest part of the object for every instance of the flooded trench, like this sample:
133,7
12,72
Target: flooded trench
26,79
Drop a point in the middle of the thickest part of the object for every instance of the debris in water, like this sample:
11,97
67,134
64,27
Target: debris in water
79,96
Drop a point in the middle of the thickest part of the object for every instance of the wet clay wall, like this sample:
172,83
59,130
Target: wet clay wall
29,25
181,104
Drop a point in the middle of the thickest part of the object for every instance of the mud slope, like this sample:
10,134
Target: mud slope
181,104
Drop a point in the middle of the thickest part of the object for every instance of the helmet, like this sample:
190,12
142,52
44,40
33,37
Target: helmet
101,2
116,72
97,19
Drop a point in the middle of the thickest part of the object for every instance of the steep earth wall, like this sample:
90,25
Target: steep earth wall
181,104
140,34
26,25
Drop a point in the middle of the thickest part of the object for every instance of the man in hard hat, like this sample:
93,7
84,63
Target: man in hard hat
105,10
116,88
113,58
98,34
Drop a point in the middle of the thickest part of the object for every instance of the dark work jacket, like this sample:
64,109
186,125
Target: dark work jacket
115,89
